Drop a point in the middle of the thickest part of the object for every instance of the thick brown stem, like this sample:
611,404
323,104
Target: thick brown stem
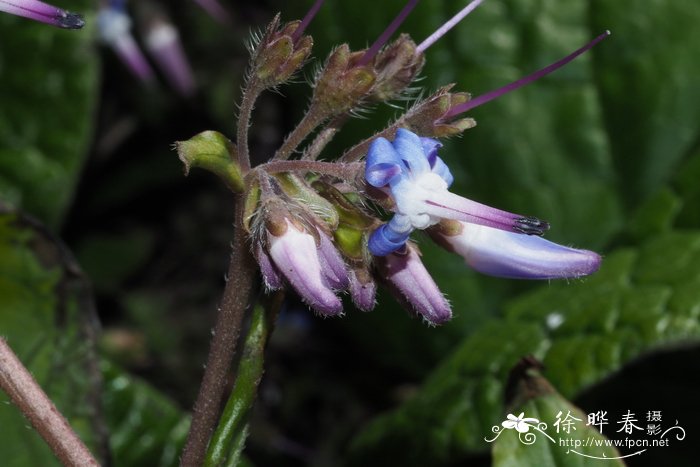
236,299
26,394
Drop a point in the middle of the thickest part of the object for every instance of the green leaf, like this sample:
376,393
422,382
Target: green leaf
48,88
560,435
46,316
147,429
648,89
641,300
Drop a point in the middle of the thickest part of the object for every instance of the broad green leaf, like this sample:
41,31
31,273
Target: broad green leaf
559,435
648,88
48,84
147,429
46,317
642,299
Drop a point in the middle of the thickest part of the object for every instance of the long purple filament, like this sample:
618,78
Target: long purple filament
307,19
391,29
489,96
442,30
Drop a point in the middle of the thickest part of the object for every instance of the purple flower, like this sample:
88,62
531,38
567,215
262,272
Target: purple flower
114,26
410,170
512,255
492,241
43,12
163,42
295,255
412,284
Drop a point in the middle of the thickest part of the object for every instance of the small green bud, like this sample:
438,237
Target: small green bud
353,223
342,84
212,151
297,189
428,118
396,67
279,56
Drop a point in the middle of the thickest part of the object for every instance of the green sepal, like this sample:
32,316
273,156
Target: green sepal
297,189
212,151
353,223
342,84
252,200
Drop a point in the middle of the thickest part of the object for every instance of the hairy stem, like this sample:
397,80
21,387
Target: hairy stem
250,95
229,439
347,172
235,301
324,137
312,119
26,394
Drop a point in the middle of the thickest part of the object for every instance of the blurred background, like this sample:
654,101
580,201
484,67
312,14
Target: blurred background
606,149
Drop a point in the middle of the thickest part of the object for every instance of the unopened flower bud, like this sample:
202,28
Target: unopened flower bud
412,284
294,253
363,289
342,84
297,188
353,224
396,67
430,116
279,55
212,151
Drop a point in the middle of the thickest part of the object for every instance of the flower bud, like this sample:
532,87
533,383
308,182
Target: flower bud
412,285
396,67
353,224
212,151
278,55
297,188
342,84
363,289
429,117
294,253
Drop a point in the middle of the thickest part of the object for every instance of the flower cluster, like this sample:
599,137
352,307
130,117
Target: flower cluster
324,228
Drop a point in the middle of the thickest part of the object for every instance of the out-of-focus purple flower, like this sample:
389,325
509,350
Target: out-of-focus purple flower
114,27
507,254
410,170
215,10
43,12
411,282
295,255
163,42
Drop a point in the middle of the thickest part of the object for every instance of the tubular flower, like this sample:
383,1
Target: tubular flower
410,170
493,242
114,27
43,12
293,253
313,225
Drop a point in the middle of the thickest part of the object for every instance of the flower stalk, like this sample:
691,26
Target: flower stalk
237,298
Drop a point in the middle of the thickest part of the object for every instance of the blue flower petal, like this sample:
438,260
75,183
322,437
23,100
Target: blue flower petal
430,148
384,241
382,163
409,147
